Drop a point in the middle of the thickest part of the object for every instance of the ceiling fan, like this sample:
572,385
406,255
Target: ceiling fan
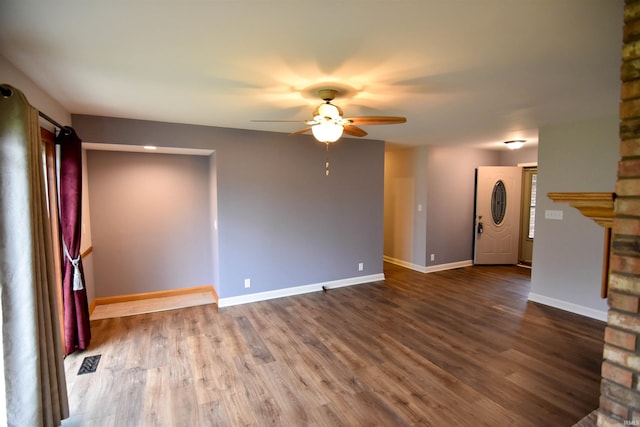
328,123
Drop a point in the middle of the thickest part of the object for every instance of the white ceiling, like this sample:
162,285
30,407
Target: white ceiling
462,72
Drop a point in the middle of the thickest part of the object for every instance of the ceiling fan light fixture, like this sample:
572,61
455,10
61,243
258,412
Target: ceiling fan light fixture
327,131
515,144
328,110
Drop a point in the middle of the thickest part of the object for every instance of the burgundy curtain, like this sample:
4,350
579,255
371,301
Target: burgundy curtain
77,332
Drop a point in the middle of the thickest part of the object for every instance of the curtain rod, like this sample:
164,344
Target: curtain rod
53,122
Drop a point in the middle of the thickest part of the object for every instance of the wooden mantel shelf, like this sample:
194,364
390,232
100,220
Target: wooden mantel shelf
598,207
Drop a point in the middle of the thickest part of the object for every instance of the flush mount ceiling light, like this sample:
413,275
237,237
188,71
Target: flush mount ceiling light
515,143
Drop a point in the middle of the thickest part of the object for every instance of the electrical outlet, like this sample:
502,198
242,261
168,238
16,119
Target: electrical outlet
433,257
247,283
361,266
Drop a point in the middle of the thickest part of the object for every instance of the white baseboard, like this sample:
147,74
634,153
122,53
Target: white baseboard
569,306
297,290
404,264
449,266
430,269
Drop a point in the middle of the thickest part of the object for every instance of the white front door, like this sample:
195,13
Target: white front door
498,203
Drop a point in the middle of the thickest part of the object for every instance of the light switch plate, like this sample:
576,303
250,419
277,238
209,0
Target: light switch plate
553,214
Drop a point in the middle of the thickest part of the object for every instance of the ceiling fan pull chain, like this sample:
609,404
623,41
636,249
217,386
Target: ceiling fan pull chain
326,159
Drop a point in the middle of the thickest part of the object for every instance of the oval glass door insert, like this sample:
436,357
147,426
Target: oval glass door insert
498,202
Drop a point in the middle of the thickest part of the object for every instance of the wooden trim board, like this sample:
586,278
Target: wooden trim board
151,302
86,252
156,294
92,307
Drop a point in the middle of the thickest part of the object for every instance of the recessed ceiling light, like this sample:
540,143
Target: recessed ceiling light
149,147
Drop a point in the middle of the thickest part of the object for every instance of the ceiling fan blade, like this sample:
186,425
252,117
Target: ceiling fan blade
298,132
376,120
354,130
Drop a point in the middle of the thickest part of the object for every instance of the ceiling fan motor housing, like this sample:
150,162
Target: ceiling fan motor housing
327,94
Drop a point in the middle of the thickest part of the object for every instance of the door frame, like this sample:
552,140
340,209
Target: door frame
525,205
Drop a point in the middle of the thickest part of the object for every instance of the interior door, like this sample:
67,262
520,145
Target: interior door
498,205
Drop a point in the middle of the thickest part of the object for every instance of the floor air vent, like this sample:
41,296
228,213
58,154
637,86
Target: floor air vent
89,364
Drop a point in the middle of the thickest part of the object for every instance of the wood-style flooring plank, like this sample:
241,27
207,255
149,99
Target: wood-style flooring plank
457,347
157,403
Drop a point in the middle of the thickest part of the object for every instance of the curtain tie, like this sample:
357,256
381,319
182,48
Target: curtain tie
75,262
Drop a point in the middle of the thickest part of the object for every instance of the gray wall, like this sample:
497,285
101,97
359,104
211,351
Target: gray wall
567,254
281,221
213,221
451,199
151,221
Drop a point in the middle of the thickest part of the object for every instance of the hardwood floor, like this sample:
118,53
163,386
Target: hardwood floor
458,347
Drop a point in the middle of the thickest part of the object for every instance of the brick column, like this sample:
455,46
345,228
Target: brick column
620,387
